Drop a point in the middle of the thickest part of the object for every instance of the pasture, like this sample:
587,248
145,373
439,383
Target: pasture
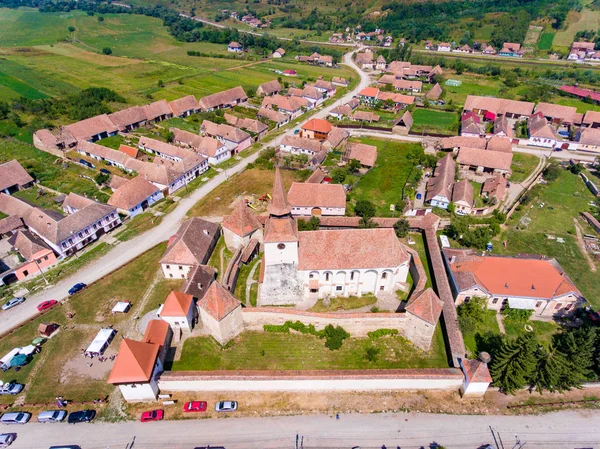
434,121
587,19
545,42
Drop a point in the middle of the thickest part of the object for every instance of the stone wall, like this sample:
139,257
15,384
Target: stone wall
322,380
412,328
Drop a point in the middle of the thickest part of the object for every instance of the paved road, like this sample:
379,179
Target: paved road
567,429
126,251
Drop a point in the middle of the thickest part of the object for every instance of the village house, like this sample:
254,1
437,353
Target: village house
257,129
512,50
589,140
591,119
104,154
341,111
135,196
56,142
490,107
191,246
279,53
429,45
365,116
525,282
499,143
64,234
307,199
408,85
157,111
559,115
463,49
339,81
365,61
241,227
363,153
403,124
322,263
236,139
235,47
179,311
439,186
372,96
454,143
540,132
502,127
581,51
494,188
316,128
211,148
166,178
225,99
300,145
335,139
325,87
444,46
13,177
279,118
163,150
380,63
470,125
139,363
269,88
36,254
484,162
292,106
185,106
92,129
434,93
462,197
129,119
488,50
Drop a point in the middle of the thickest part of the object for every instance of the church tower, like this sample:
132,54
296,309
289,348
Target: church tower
281,229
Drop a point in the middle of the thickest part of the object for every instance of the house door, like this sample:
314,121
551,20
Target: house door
316,211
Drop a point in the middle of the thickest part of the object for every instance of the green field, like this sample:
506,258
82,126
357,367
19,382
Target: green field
545,42
587,19
270,350
21,88
434,121
563,200
382,185
522,166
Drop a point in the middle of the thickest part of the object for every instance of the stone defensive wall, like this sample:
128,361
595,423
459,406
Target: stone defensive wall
309,380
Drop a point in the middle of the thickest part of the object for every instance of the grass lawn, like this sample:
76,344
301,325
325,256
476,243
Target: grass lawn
252,182
49,171
542,329
341,303
253,294
489,324
128,283
564,199
266,350
382,185
159,293
419,247
138,225
39,197
216,261
113,142
434,121
587,19
240,286
545,42
522,166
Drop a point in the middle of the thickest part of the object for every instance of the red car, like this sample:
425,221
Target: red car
153,415
195,406
46,305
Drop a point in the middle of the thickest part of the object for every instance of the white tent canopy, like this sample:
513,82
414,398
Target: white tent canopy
28,350
101,341
8,357
121,307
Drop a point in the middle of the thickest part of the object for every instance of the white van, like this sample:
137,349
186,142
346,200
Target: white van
52,416
15,418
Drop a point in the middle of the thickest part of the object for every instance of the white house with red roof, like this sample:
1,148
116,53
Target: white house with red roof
309,199
221,313
240,227
300,265
179,311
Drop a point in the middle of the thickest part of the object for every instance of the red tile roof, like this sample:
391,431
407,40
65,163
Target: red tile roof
484,158
156,332
132,193
242,221
177,304
12,173
425,305
279,203
135,362
218,302
363,153
318,125
317,195
476,371
350,248
130,151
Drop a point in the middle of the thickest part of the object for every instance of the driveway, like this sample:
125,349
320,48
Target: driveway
565,429
125,252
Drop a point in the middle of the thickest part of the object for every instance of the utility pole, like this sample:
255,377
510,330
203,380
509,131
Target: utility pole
498,446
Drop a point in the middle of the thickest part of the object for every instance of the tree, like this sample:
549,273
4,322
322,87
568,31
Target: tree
160,83
364,209
551,372
170,136
353,165
511,79
579,346
338,175
552,172
366,223
401,228
101,178
514,364
100,19
311,225
107,51
71,29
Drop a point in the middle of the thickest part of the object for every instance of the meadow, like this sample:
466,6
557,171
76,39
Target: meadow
434,121
587,19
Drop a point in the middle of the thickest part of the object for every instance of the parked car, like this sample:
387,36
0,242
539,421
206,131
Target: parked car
52,416
11,388
81,416
226,406
15,418
105,171
45,305
86,163
12,303
6,439
195,406
77,288
152,415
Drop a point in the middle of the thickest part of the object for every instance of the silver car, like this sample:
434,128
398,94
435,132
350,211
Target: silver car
226,406
11,388
6,439
12,303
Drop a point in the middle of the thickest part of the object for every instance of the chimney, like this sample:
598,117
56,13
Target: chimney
206,232
506,285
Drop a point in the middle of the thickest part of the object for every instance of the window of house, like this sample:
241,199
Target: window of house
326,276
381,287
70,241
384,276
25,273
538,304
314,290
352,276
495,301
311,276
45,257
557,306
467,299
568,306
170,275
339,288
180,267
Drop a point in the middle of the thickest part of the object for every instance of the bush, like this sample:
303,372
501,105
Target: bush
401,227
517,315
364,208
107,51
71,29
334,336
471,314
382,333
371,353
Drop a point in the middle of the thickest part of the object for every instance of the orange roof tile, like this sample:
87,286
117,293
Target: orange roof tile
156,332
476,371
317,125
242,221
218,302
177,304
425,305
369,92
317,195
279,204
135,362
